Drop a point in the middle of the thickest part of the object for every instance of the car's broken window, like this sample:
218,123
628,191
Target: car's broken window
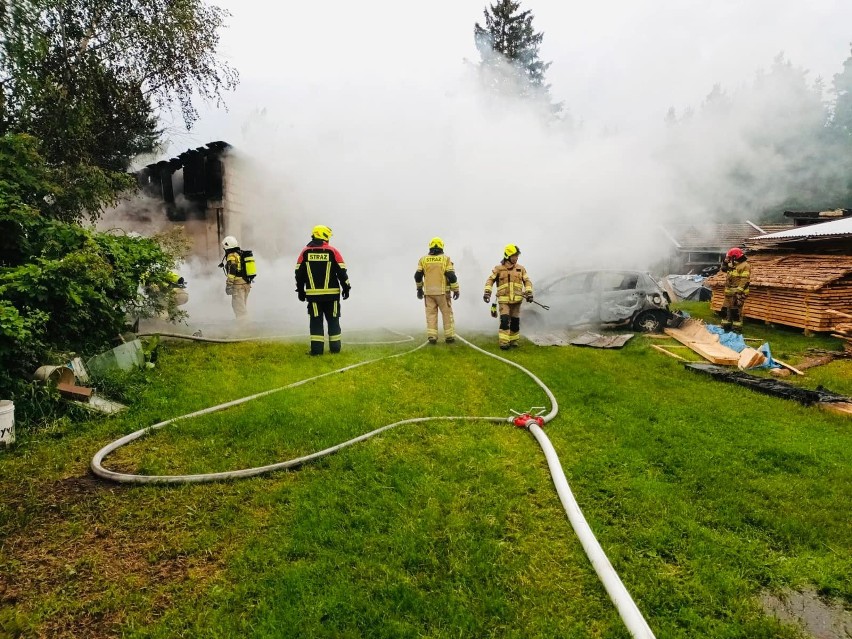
577,283
615,281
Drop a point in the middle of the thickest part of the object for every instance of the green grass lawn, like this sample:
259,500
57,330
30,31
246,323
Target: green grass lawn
702,494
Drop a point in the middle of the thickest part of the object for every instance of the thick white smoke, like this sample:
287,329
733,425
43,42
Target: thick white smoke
369,120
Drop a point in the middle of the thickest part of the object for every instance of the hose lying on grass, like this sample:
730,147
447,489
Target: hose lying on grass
235,340
619,595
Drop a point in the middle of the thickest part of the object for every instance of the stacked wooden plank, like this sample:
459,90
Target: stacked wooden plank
795,290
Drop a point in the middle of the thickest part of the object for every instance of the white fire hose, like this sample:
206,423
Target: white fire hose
627,609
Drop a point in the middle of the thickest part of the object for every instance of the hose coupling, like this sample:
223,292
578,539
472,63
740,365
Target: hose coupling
522,420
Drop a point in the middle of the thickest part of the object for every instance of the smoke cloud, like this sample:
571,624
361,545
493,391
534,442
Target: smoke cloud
371,119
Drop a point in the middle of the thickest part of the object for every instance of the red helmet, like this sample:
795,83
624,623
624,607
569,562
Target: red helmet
734,254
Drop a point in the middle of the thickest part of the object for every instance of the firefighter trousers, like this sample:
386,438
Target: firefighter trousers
434,303
733,317
330,310
510,324
239,297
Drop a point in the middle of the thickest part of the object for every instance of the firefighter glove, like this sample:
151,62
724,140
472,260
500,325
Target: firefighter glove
420,293
229,288
301,294
529,298
346,292
486,298
455,295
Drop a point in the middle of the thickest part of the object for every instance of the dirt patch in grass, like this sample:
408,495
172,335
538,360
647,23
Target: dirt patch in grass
94,575
821,619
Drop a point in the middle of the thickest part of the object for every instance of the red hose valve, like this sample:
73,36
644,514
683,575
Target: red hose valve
521,420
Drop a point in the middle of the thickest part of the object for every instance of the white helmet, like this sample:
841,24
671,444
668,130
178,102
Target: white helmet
230,242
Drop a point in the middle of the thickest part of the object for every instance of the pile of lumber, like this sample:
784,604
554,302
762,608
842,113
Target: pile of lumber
813,292
697,338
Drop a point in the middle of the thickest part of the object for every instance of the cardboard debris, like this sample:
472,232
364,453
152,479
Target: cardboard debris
595,340
552,337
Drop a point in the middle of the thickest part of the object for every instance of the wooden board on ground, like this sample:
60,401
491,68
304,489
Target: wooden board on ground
750,357
72,391
696,336
668,352
841,408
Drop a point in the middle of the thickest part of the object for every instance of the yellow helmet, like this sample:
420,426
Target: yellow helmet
321,232
436,242
510,250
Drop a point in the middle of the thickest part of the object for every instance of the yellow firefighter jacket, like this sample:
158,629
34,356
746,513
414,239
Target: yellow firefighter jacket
234,267
435,274
512,281
737,278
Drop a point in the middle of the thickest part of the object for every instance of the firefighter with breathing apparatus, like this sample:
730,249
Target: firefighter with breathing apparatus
321,279
513,287
177,288
240,271
436,281
737,276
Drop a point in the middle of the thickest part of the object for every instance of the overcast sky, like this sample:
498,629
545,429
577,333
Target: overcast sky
615,62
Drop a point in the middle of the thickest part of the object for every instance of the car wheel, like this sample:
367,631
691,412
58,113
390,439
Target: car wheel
650,322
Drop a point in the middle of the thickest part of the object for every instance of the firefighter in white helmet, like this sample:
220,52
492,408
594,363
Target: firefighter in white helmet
237,283
436,281
513,287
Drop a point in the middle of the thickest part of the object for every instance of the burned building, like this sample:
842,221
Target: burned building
198,190
699,246
803,218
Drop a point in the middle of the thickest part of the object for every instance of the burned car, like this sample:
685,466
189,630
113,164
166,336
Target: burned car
611,298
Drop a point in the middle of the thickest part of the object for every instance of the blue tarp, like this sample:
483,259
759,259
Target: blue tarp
735,342
688,287
732,340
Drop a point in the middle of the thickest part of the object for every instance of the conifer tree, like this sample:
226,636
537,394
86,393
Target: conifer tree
842,119
509,47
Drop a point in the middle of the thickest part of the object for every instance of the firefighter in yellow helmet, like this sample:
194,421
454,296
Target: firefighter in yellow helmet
436,280
237,283
321,279
513,287
177,287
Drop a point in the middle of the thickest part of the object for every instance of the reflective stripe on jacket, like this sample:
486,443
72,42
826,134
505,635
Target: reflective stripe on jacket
435,274
737,279
234,266
512,282
321,272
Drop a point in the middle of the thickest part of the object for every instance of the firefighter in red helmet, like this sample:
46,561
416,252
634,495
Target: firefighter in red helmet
737,276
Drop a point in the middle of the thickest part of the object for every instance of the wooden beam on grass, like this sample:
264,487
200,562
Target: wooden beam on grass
785,365
669,353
